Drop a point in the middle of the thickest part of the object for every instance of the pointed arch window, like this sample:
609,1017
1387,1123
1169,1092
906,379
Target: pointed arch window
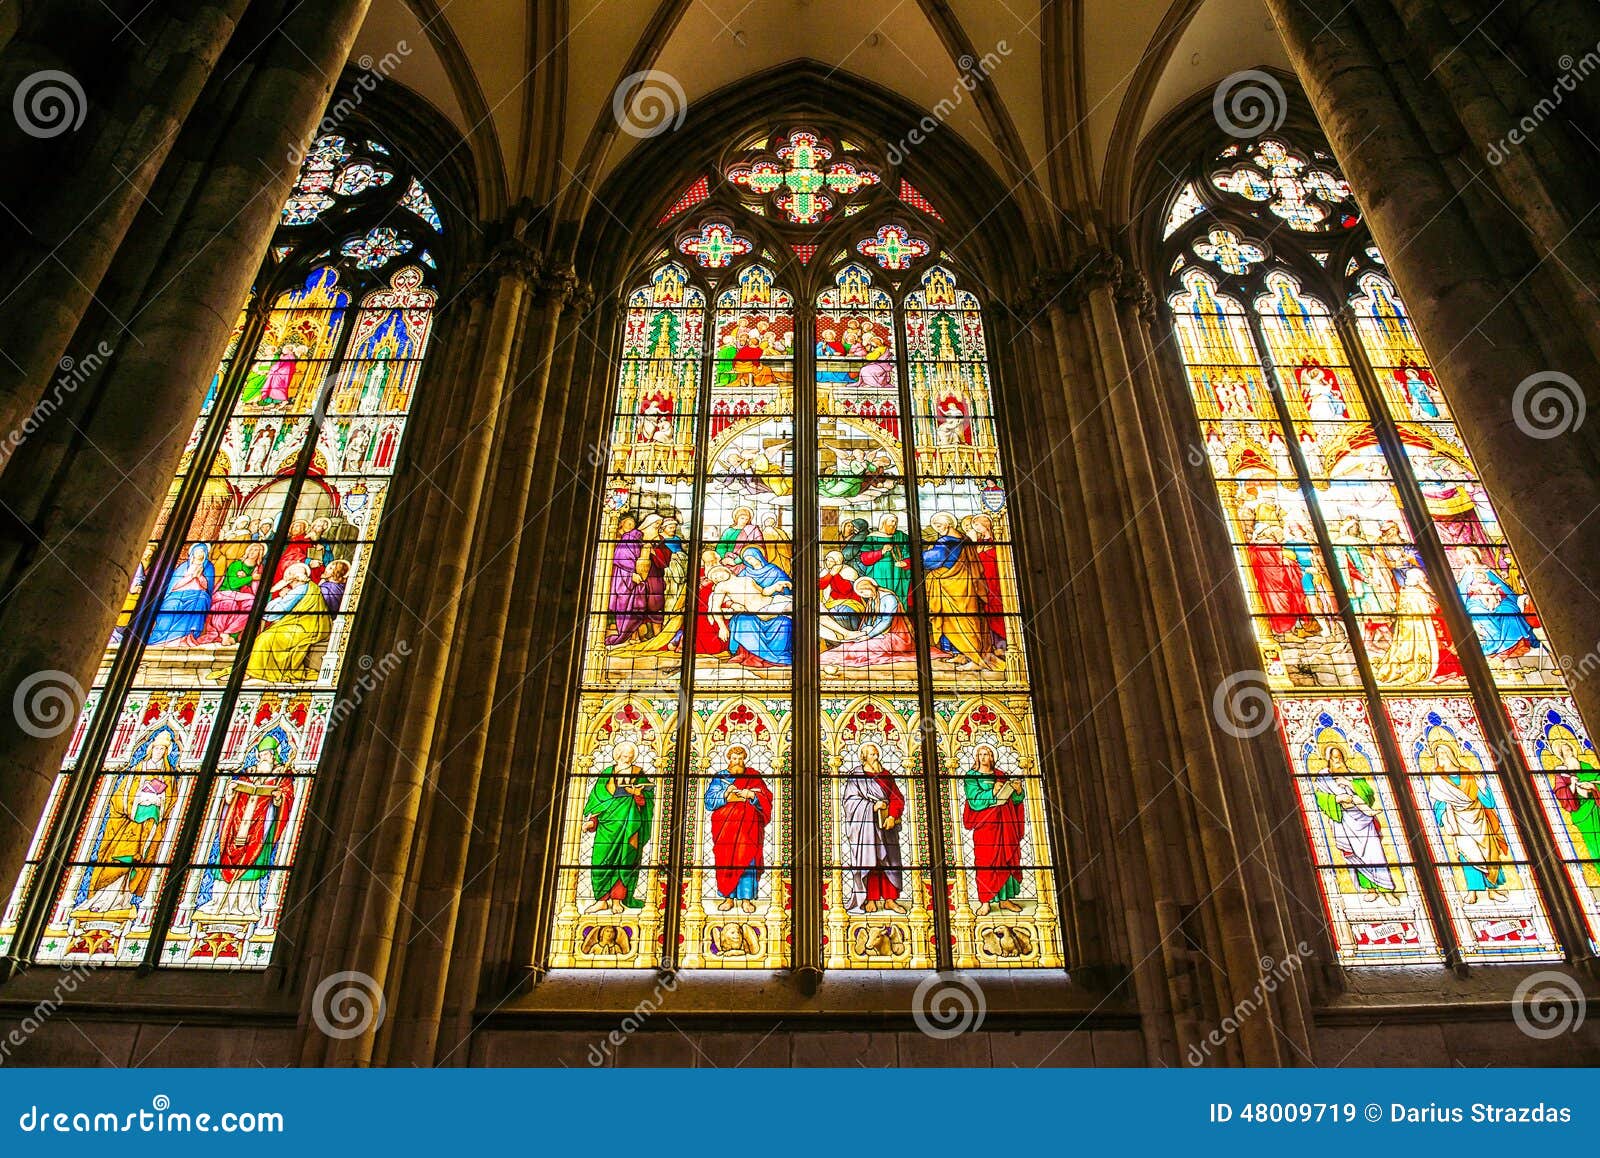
172,829
1437,757
805,735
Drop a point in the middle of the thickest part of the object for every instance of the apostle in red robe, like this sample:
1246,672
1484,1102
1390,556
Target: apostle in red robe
992,812
740,804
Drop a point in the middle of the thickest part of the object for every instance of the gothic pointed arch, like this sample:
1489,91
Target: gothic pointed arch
805,733
1437,758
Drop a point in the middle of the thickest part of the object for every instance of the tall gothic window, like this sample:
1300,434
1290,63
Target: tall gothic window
1435,751
172,828
805,732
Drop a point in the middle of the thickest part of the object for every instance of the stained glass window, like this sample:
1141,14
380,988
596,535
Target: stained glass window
1413,682
808,641
175,820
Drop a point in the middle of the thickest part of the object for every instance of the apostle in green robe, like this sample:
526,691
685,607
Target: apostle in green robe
618,812
1578,789
886,556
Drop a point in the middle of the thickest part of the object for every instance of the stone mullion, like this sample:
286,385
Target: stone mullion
676,886
806,785
1422,861
529,880
96,525
382,876
456,761
1508,758
1163,968
938,869
1217,860
1491,342
52,268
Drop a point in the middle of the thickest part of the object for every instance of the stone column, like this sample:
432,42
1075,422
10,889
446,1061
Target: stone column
479,694
397,794
524,673
1486,334
1554,30
1544,197
1183,847
72,192
61,611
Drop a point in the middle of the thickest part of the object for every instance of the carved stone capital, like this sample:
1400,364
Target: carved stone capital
1070,287
561,287
509,256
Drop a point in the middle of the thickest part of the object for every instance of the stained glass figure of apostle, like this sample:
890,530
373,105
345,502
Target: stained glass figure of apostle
618,812
958,595
139,803
873,807
1577,789
886,556
1349,804
740,804
257,801
1464,807
992,812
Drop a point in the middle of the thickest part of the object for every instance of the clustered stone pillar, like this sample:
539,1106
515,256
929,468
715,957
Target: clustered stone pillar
484,686
1187,796
373,922
62,607
1507,335
72,189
